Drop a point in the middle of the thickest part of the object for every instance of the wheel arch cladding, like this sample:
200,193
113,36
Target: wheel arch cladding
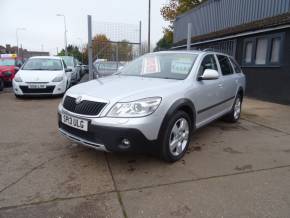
241,92
180,105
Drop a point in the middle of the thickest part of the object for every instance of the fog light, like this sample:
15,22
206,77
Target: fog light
59,89
125,144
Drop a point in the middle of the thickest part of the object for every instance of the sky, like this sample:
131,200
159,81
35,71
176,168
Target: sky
45,31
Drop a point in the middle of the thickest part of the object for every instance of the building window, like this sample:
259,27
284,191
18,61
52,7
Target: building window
248,52
275,50
263,51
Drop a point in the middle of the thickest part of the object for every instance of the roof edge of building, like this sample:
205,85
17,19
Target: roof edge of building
270,22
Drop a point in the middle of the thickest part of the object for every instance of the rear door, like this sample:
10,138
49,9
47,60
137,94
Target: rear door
228,83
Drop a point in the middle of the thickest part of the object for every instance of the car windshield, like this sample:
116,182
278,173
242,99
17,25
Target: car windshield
43,64
161,65
7,62
69,61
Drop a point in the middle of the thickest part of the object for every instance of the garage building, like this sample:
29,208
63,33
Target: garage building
255,32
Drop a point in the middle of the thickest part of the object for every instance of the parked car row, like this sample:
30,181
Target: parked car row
35,75
75,66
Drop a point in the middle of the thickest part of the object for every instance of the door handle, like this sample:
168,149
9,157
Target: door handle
220,85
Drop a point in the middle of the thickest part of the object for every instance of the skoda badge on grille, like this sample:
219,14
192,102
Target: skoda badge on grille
79,99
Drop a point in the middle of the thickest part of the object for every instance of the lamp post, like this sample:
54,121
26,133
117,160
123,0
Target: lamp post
65,32
149,27
17,38
81,48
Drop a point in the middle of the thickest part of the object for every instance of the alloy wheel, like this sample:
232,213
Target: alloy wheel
179,137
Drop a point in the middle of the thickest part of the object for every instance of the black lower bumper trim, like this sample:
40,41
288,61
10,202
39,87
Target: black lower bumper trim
112,138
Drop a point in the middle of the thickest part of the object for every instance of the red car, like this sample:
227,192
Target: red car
9,65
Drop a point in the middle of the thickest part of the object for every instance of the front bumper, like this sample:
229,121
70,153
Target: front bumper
110,138
52,88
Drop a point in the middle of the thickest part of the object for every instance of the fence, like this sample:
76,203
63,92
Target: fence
116,42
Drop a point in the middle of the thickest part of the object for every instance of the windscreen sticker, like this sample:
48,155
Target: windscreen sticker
181,66
150,65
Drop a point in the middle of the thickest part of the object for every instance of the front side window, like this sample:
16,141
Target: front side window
225,64
261,51
161,65
208,62
69,61
43,64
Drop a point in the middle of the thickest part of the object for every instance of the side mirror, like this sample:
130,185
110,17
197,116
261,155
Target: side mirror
16,69
68,70
209,74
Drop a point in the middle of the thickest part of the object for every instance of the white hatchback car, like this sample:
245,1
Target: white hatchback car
42,76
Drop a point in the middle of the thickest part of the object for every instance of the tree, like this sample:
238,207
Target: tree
72,51
176,7
165,42
124,50
169,12
102,47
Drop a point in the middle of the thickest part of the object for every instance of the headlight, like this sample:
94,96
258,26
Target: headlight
139,108
58,79
18,79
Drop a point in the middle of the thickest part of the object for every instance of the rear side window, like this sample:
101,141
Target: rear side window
208,62
226,66
236,66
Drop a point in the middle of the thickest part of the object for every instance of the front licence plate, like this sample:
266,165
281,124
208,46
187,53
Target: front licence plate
75,122
37,86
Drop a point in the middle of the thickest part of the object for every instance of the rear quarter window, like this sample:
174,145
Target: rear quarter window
237,67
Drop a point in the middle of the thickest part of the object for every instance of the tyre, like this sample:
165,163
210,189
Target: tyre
18,96
235,113
1,84
176,137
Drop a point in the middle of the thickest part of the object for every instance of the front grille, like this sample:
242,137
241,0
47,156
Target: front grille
47,90
90,108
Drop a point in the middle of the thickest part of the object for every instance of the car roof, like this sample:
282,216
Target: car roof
180,51
198,52
66,56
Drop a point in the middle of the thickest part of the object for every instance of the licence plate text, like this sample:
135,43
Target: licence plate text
74,122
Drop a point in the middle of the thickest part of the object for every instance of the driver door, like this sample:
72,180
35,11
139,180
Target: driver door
208,92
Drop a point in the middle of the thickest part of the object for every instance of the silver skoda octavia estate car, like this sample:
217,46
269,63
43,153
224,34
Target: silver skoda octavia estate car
154,103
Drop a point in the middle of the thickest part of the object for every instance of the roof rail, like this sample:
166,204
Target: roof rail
208,49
